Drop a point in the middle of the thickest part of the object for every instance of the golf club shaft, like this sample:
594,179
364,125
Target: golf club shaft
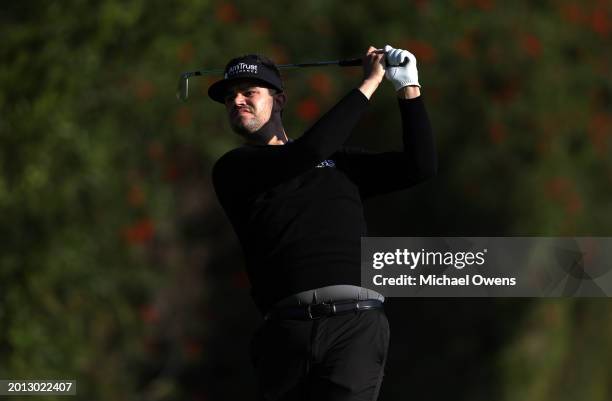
183,86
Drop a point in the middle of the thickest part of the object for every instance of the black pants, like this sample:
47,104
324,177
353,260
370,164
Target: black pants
332,358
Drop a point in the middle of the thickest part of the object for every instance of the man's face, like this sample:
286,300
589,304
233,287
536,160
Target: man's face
248,107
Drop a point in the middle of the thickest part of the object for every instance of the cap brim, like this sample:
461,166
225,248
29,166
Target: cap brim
217,90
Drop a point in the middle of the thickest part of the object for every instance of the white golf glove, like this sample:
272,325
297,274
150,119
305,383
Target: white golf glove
401,76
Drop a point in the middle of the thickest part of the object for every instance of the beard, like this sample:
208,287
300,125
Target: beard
247,127
259,126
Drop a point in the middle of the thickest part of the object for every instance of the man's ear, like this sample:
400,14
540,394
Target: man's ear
279,101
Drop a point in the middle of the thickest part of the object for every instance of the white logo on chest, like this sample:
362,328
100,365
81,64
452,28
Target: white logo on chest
326,163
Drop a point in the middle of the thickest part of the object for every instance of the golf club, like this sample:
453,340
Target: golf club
183,84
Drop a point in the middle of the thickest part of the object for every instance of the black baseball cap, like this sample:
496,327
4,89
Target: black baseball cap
250,67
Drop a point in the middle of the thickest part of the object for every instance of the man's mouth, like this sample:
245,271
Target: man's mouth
238,112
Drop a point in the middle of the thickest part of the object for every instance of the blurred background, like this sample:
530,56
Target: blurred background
119,269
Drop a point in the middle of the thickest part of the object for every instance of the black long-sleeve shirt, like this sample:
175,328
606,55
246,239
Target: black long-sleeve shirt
297,208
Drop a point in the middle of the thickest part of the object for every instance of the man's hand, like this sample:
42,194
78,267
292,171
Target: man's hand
401,76
373,70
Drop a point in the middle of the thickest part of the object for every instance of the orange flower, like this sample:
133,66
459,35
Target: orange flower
563,191
149,314
226,13
532,46
261,26
185,52
497,132
573,203
183,117
172,172
557,187
421,4
136,196
571,12
144,90
308,109
278,54
600,22
321,83
155,151
140,232
423,51
464,47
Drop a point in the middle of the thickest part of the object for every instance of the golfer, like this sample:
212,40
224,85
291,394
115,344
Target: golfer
296,207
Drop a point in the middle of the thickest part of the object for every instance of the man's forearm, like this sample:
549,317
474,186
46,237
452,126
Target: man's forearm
409,92
368,87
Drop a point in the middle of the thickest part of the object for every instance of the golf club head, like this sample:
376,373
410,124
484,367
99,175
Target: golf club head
182,92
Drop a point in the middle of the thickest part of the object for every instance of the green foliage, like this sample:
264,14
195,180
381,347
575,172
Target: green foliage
100,167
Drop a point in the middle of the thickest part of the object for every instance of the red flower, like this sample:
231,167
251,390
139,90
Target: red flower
573,203
144,90
557,187
464,47
563,191
484,5
261,26
571,12
185,52
422,50
308,109
155,151
279,54
226,13
532,46
149,314
136,196
171,172
321,83
600,22
497,132
140,232
421,4
183,117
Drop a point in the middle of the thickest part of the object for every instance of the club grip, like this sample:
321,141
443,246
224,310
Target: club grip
356,62
350,62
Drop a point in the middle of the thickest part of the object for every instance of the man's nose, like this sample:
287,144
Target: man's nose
239,99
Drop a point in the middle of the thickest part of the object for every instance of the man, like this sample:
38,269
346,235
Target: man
296,206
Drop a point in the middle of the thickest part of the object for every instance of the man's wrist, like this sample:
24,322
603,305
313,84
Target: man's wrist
409,92
369,86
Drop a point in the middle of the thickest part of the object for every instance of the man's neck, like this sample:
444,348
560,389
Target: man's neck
275,140
271,133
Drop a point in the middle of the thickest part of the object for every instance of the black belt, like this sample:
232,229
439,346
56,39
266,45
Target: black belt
316,311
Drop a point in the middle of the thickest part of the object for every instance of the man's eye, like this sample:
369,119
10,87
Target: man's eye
249,93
